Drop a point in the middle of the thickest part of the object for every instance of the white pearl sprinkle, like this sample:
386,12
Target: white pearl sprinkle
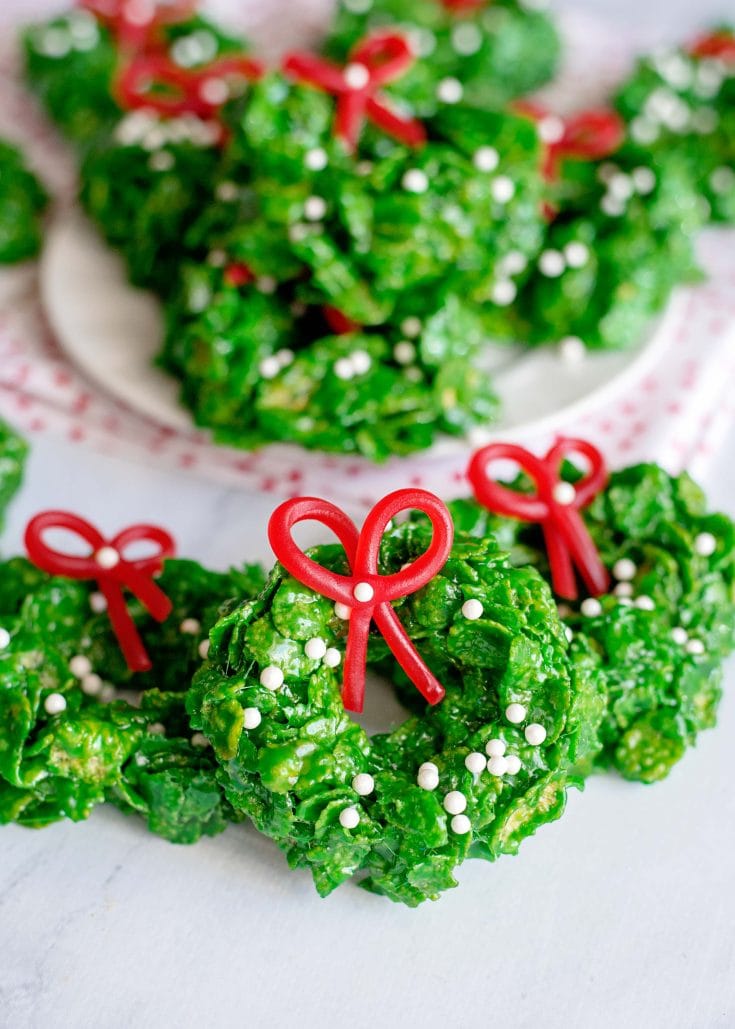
332,658
591,607
486,159
361,362
363,592
535,734
316,159
251,718
190,627
475,763
722,180
624,590
315,208
266,284
550,129
272,677
577,254
503,189
344,369
611,206
411,327
466,39
564,493
199,740
625,570
472,610
552,264
513,764
4,639
415,181
92,685
214,91
461,825
705,544
315,649
513,263
568,633
644,180
680,636
695,647
404,352
497,766
515,713
107,693
80,666
363,784
98,602
645,603
227,192
428,777
342,611
495,748
450,91
161,161
107,557
54,704
203,649
504,292
572,350
644,131
349,818
269,367
455,803
357,76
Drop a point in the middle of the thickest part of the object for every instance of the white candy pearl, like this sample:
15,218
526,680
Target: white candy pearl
455,803
190,627
404,352
572,350
486,159
349,818
269,367
92,685
363,592
272,677
625,570
550,129
342,611
363,784
344,369
415,181
645,603
644,181
316,159
535,734
515,713
497,766
472,610
357,76
450,91
361,362
80,666
411,327
98,602
680,635
513,764
107,557
552,264
428,777
705,544
204,649
576,254
475,763
315,208
624,590
315,649
461,825
4,639
591,607
54,704
504,292
695,647
251,718
503,189
564,493
495,748
332,658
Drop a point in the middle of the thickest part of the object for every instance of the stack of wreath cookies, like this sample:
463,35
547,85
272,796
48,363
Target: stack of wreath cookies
566,622
337,239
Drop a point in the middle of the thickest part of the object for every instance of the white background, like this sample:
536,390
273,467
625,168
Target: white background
622,914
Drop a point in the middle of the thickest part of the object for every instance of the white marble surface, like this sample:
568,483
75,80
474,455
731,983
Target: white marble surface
621,914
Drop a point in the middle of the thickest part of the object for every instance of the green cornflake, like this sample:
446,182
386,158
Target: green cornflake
13,452
289,757
660,638
23,201
485,56
680,105
78,728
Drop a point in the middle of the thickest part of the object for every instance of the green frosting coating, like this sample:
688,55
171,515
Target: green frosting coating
77,728
677,103
22,204
496,51
658,641
289,757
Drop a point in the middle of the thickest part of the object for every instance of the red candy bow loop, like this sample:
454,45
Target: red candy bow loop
135,23
719,45
555,506
373,63
200,92
589,135
113,572
366,592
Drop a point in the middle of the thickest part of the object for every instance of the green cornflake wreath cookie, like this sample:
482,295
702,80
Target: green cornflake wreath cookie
485,52
77,728
23,201
13,451
471,777
682,101
657,641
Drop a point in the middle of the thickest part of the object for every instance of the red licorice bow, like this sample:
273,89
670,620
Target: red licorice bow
155,82
365,592
717,45
589,135
134,23
555,506
112,571
376,61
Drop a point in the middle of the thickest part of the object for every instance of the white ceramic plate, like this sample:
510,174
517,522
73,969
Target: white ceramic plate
113,333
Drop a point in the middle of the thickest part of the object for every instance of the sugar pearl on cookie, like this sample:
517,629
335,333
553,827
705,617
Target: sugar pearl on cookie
552,264
461,825
428,776
515,713
472,610
455,803
495,748
363,592
680,635
486,159
415,181
4,639
190,627
624,570
591,607
705,544
79,666
251,717
349,818
503,189
315,649
316,159
204,649
695,647
272,677
332,657
475,763
54,704
535,734
363,784
497,766
513,764
564,494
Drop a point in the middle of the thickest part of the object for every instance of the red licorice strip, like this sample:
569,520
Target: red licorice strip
338,322
555,506
717,45
181,90
362,549
238,274
111,570
589,135
376,61
135,23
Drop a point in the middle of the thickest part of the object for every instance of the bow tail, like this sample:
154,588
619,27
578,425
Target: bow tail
151,596
405,129
124,627
585,555
353,687
406,654
560,560
349,118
